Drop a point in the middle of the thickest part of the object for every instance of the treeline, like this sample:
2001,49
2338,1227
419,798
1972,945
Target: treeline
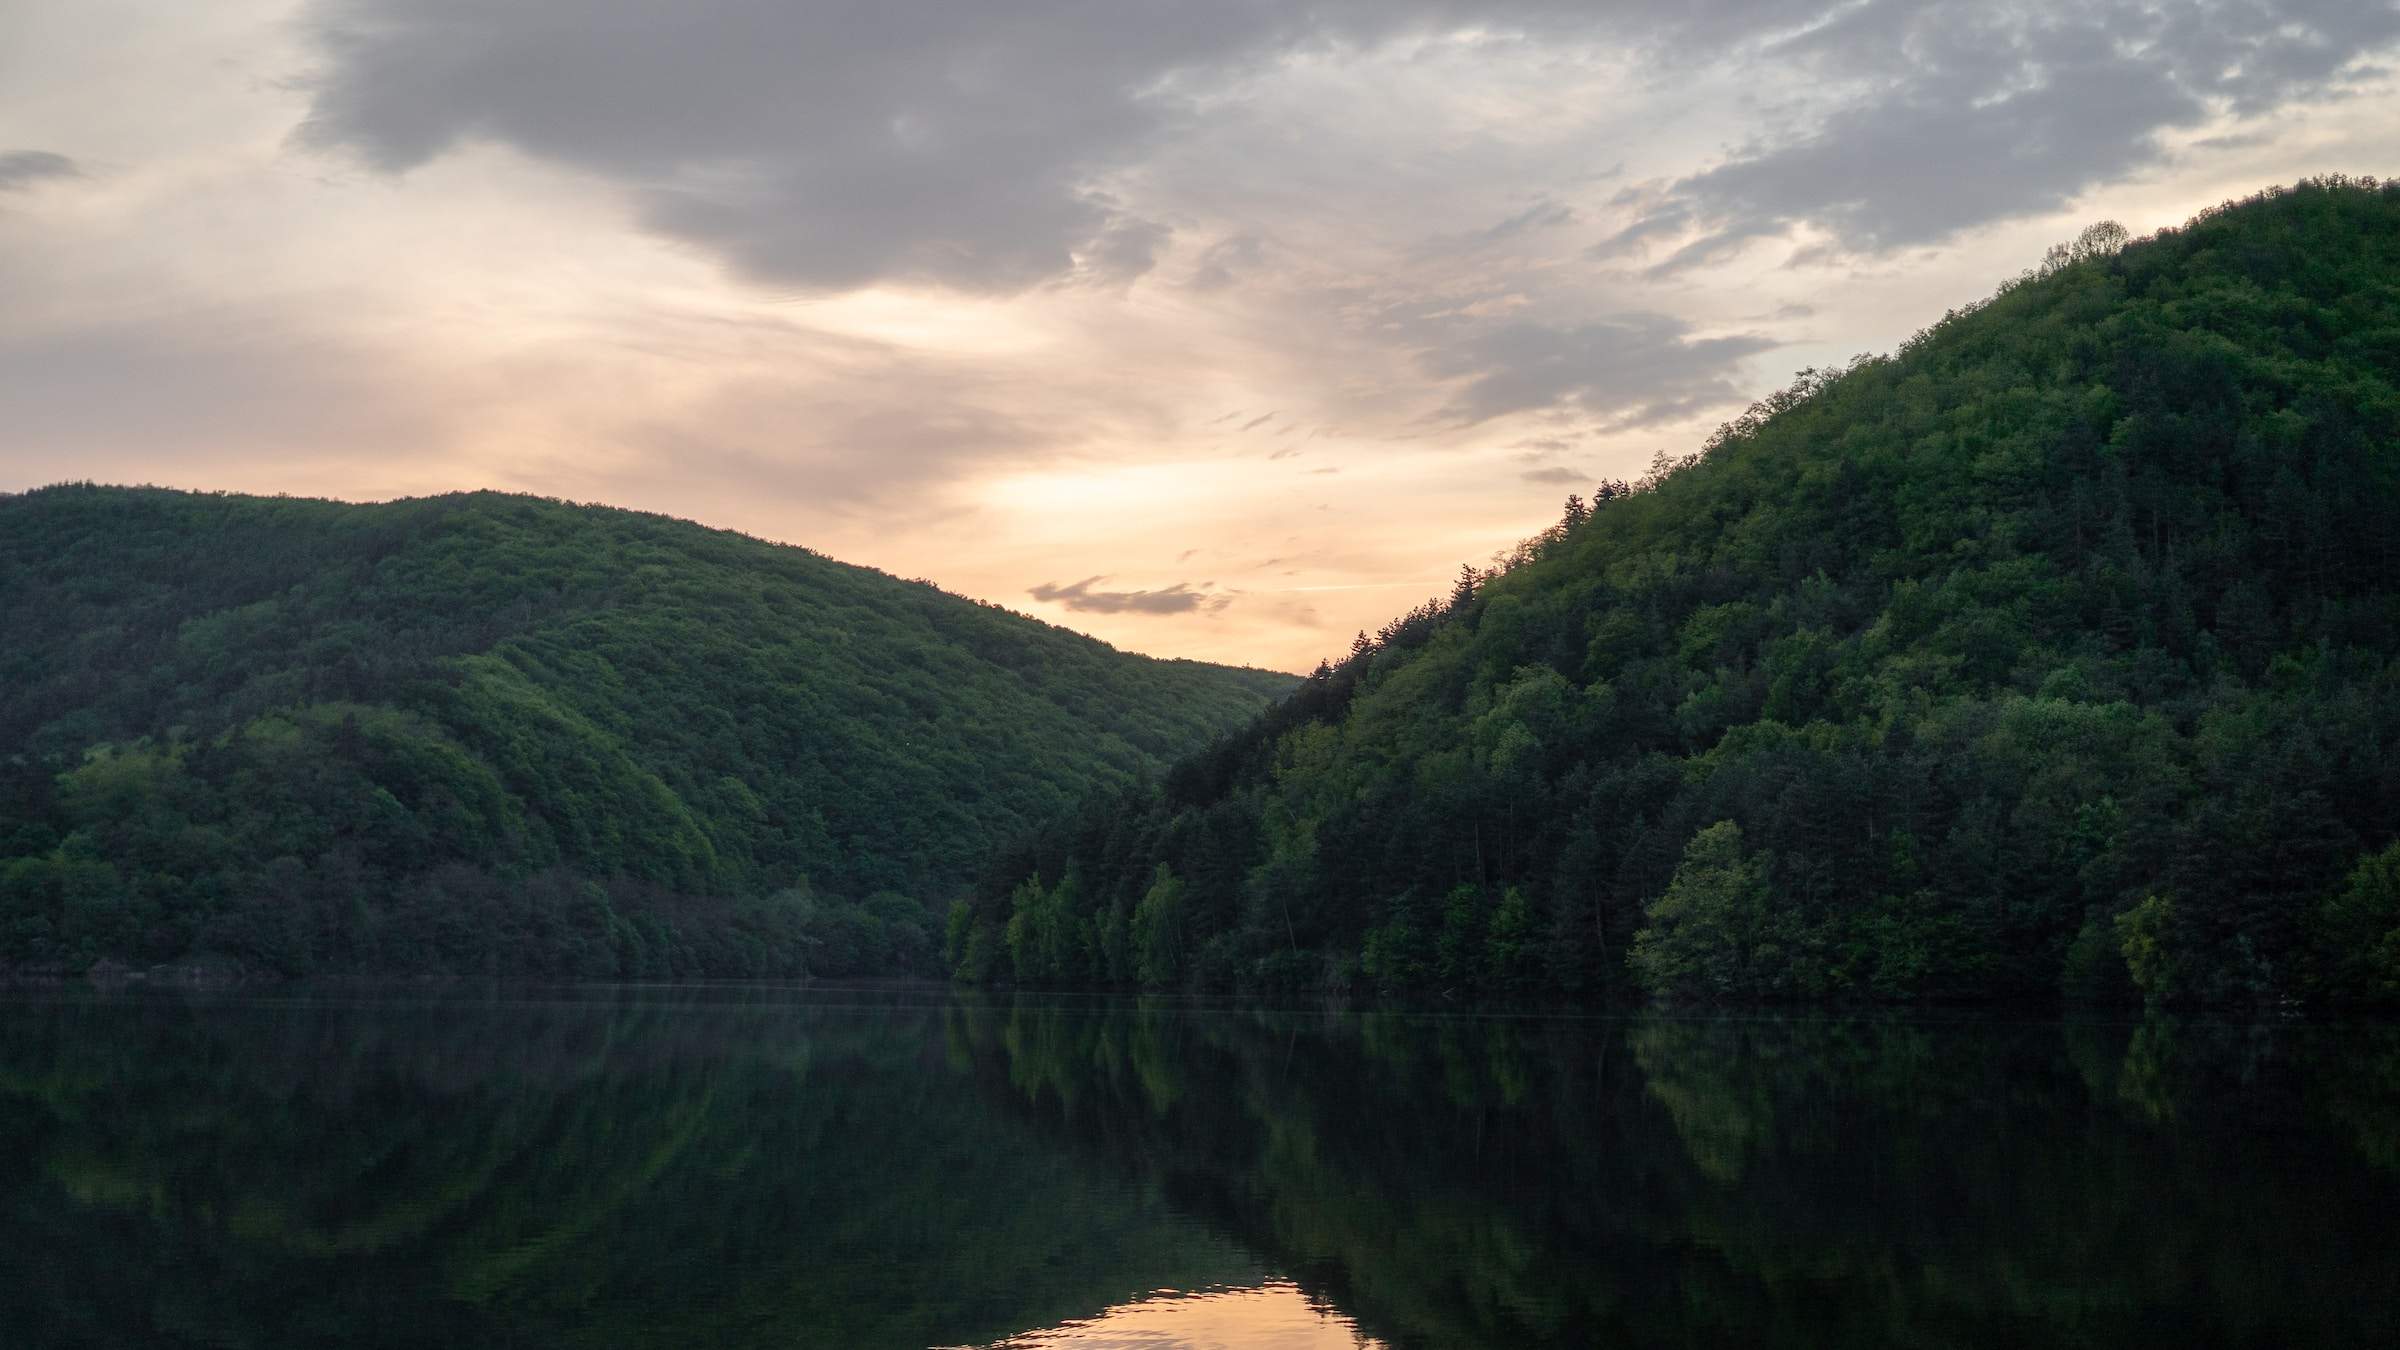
2056,652
493,734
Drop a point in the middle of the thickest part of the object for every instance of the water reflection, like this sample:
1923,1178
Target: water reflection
628,1168
1274,1316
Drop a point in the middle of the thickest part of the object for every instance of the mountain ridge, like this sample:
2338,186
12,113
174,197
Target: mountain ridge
224,696
2053,652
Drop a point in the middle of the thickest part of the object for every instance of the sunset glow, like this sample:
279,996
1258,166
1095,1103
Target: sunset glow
1011,306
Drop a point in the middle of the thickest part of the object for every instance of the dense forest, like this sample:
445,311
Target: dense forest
494,734
2056,652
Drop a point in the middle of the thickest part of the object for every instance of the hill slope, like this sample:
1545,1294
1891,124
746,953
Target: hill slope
2056,649
312,735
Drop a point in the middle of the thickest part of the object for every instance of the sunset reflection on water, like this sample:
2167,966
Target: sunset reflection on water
1271,1316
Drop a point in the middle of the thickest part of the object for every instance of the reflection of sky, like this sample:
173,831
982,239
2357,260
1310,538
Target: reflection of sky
1217,331
1273,1316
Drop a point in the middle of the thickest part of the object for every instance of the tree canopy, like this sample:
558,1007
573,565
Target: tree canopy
496,733
2058,650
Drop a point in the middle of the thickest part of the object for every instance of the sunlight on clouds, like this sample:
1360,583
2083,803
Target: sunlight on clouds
953,324
1294,310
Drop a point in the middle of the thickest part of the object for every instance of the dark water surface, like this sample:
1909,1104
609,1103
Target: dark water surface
712,1167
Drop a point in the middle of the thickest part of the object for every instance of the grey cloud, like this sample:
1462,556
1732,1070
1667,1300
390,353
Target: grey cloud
831,145
1559,474
1984,113
807,144
1542,215
21,169
815,144
1659,221
1126,250
1259,421
1223,262
1180,598
1631,369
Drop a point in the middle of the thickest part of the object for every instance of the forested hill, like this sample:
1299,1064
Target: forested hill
2058,650
487,732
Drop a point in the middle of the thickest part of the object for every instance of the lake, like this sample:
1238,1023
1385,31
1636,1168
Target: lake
870,1168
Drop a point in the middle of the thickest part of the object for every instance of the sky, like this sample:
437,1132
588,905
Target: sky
1219,330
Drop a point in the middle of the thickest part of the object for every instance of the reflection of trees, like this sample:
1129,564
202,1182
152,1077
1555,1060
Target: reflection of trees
1719,1107
632,1172
2359,1089
1493,1182
540,1174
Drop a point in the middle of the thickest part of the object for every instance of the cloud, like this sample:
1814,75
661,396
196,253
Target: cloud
976,146
1542,215
1180,598
1124,251
825,146
1633,370
21,169
1976,114
160,395
1223,263
837,448
833,146
1555,474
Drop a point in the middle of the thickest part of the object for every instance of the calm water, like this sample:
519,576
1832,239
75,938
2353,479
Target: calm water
719,1168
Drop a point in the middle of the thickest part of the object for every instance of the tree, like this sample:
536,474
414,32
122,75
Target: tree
2147,937
1708,935
2357,930
1512,950
1158,930
1463,590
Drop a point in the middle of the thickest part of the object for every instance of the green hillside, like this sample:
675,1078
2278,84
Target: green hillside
488,732
2057,651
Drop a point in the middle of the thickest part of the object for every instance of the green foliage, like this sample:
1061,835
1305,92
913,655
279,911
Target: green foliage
2148,941
2094,971
2085,594
2358,930
1512,950
1158,934
483,732
1712,933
